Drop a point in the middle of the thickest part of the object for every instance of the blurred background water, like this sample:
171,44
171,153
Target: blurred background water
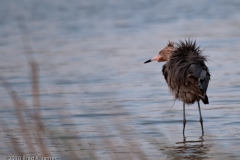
90,55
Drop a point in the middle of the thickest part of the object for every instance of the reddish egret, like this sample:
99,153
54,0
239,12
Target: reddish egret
186,74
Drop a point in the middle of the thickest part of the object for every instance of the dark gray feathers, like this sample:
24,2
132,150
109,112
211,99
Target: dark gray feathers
186,73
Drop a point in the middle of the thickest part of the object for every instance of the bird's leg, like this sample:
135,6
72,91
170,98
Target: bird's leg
201,120
184,119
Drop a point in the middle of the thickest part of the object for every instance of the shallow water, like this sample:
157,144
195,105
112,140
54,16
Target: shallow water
91,56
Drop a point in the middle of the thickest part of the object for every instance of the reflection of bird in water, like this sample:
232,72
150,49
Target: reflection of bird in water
186,74
192,149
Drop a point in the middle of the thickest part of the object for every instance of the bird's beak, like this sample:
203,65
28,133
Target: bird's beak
158,58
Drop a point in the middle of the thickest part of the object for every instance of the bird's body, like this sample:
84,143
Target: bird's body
186,74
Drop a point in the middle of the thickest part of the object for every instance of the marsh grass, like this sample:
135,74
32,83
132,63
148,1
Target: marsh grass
32,137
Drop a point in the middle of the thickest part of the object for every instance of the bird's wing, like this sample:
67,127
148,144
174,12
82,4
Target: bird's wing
198,73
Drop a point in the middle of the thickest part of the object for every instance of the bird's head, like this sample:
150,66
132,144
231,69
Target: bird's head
164,54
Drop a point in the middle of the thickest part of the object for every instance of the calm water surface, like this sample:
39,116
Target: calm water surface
91,56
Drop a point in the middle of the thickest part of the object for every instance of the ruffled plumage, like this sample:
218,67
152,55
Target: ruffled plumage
186,73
